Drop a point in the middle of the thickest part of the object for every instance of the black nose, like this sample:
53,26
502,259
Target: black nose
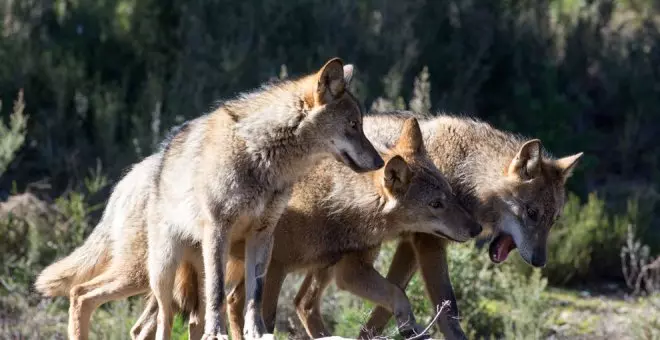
378,162
475,230
538,259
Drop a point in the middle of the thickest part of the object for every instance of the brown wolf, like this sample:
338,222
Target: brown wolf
508,183
337,219
112,263
229,175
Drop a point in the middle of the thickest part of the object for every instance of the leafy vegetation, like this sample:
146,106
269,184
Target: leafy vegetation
103,80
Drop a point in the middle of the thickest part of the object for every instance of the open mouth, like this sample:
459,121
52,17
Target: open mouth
500,247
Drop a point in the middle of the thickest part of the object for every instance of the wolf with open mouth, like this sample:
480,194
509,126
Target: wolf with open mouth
509,184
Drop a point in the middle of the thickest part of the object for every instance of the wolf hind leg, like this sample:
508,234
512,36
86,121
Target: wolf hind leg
165,253
308,302
86,297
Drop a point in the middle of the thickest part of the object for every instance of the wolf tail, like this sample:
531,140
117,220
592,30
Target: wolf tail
81,265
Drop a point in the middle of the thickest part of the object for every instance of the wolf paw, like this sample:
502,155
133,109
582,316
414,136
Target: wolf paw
254,327
413,332
208,336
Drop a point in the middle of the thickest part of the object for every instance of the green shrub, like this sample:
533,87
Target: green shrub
493,299
496,299
586,241
12,136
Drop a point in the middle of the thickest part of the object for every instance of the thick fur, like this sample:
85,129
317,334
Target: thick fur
93,256
513,187
229,175
81,265
226,174
419,251
335,223
105,268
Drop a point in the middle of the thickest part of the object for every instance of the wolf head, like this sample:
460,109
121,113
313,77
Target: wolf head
336,117
531,196
417,194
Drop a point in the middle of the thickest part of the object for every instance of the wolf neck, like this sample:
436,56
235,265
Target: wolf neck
269,122
474,156
358,198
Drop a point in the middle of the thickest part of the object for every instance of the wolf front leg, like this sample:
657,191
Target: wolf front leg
431,254
259,246
214,253
356,274
401,271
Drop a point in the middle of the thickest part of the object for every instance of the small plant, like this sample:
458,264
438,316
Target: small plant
12,136
640,270
585,241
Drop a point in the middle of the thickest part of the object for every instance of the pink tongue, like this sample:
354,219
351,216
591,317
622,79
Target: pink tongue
503,248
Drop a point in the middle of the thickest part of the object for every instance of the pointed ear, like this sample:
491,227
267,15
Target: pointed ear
527,163
330,82
411,139
567,164
396,175
348,74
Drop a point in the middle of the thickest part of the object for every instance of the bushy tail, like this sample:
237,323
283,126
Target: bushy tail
85,262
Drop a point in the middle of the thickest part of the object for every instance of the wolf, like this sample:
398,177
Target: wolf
512,186
509,183
228,175
336,221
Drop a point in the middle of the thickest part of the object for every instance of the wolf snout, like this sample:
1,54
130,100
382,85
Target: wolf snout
538,258
475,229
378,162
369,163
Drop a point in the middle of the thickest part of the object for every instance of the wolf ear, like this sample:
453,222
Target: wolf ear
348,74
330,81
411,139
527,163
567,164
396,175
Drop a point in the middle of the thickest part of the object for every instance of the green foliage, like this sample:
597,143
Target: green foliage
179,329
496,299
493,299
12,136
421,99
106,78
35,234
586,241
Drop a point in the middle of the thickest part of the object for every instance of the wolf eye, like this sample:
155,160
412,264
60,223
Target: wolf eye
532,214
352,124
437,204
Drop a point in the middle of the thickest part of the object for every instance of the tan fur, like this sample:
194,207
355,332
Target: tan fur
499,177
106,267
226,174
336,221
462,165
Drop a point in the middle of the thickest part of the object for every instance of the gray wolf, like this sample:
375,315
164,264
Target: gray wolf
227,175
335,223
512,186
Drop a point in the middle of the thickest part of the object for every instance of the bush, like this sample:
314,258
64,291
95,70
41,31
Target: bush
36,233
586,241
12,137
